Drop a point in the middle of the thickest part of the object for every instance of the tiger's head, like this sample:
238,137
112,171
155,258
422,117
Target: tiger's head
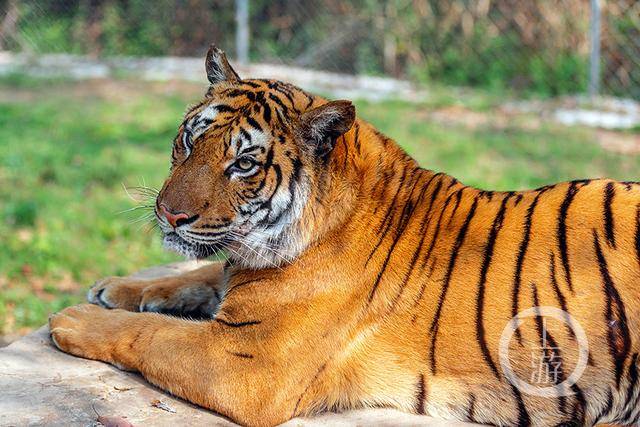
244,166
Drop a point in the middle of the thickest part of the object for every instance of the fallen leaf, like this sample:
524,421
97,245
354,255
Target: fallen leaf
122,388
161,405
107,421
113,421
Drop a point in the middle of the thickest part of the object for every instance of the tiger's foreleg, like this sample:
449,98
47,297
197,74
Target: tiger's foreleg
196,293
210,363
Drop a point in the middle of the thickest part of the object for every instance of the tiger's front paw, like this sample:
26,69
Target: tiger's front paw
86,331
168,296
117,292
195,300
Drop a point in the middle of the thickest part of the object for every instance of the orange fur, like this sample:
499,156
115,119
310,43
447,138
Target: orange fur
399,292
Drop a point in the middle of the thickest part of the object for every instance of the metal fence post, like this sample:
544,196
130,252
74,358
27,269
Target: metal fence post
594,58
242,31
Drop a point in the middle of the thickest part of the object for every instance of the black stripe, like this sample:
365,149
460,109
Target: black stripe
637,236
455,206
615,315
356,139
522,251
266,113
238,324
416,253
385,226
246,135
407,212
268,164
313,380
421,395
296,166
631,404
294,178
545,187
471,411
241,355
523,415
447,279
205,233
562,231
221,108
559,295
426,219
253,123
425,259
486,262
277,100
550,347
250,83
234,93
345,155
309,99
287,95
579,407
251,149
609,229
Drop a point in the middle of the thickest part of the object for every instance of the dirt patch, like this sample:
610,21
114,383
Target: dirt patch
495,119
108,89
619,142
458,116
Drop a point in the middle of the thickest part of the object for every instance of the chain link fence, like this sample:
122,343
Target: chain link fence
620,45
546,47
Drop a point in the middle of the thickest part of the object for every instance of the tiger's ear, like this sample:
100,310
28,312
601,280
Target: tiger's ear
218,68
321,126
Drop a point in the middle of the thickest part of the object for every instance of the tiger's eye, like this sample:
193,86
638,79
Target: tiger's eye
244,164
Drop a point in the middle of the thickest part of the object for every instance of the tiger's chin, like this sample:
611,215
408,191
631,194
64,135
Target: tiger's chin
173,242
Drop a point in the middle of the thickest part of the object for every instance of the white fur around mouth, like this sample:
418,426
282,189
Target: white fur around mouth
173,242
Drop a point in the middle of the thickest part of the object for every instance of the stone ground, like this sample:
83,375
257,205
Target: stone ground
43,386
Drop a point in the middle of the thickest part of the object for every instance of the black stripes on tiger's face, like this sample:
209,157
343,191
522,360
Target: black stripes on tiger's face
243,166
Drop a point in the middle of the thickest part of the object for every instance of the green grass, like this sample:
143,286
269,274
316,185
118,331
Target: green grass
510,157
66,149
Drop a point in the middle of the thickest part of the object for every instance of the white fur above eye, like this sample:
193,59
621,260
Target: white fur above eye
198,125
249,138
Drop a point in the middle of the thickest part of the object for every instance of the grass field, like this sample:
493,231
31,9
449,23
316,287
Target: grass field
66,149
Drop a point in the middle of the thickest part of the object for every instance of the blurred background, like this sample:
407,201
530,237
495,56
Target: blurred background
503,94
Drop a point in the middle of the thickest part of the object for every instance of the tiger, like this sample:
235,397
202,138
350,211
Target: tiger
355,278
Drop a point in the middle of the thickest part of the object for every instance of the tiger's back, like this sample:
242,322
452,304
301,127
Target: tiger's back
458,271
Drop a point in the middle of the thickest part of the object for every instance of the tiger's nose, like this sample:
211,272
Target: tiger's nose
175,219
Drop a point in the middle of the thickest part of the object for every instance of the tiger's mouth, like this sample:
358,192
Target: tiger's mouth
174,242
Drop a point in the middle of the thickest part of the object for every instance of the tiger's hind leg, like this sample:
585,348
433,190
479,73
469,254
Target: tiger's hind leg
194,294
629,414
